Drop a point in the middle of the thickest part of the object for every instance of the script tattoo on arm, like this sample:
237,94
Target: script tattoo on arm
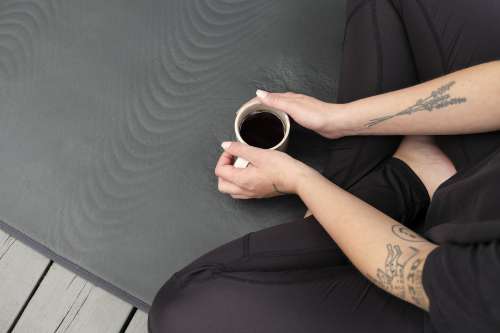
438,99
401,273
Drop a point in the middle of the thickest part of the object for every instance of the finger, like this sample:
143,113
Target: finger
234,175
224,159
225,186
262,94
283,102
249,153
287,94
244,197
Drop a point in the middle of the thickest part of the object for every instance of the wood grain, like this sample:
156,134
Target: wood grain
139,323
65,302
20,270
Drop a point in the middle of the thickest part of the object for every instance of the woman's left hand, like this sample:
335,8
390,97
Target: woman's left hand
270,173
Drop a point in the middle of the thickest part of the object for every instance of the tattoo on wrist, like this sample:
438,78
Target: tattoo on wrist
438,99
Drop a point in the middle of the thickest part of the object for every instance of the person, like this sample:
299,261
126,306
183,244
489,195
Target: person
403,233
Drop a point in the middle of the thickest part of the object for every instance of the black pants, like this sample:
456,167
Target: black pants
293,277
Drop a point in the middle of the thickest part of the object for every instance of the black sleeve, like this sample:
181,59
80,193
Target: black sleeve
463,286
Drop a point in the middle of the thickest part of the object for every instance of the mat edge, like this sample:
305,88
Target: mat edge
68,264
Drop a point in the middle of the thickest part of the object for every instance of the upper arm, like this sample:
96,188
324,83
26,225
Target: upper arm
463,287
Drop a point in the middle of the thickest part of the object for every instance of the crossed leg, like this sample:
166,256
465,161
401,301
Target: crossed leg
293,277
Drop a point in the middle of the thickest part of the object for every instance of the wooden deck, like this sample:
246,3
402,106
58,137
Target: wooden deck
38,295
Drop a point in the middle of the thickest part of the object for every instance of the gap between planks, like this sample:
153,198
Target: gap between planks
40,297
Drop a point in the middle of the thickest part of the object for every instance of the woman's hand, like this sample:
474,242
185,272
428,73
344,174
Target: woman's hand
270,172
324,118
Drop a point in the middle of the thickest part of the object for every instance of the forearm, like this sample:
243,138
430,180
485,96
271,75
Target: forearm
386,252
466,101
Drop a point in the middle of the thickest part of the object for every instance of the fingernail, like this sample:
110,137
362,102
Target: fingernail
225,144
261,93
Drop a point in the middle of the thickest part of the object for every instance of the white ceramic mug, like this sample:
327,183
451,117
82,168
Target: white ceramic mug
249,108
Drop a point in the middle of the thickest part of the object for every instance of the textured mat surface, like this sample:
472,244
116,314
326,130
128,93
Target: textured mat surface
111,117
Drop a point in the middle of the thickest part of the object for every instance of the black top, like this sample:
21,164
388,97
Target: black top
462,276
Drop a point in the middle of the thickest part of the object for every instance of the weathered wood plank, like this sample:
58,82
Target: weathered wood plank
65,302
20,270
139,323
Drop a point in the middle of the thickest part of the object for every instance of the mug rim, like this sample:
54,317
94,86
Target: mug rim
255,103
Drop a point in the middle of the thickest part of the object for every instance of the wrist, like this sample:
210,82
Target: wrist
344,120
303,177
354,119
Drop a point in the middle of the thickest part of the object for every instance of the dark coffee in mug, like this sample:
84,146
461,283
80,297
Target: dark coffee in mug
262,129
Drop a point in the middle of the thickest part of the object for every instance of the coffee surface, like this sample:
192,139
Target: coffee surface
262,129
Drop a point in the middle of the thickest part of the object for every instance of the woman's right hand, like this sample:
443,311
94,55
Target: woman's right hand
324,118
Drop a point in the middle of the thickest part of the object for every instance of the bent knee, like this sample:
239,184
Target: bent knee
181,304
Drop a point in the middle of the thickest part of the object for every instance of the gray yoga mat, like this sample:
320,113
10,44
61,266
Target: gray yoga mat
112,114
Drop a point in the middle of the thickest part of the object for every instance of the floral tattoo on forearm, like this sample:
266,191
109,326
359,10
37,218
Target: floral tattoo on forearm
438,99
401,274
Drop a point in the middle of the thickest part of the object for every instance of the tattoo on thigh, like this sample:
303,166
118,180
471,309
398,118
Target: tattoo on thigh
438,99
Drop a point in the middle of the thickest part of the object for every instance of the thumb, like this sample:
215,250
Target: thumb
245,151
